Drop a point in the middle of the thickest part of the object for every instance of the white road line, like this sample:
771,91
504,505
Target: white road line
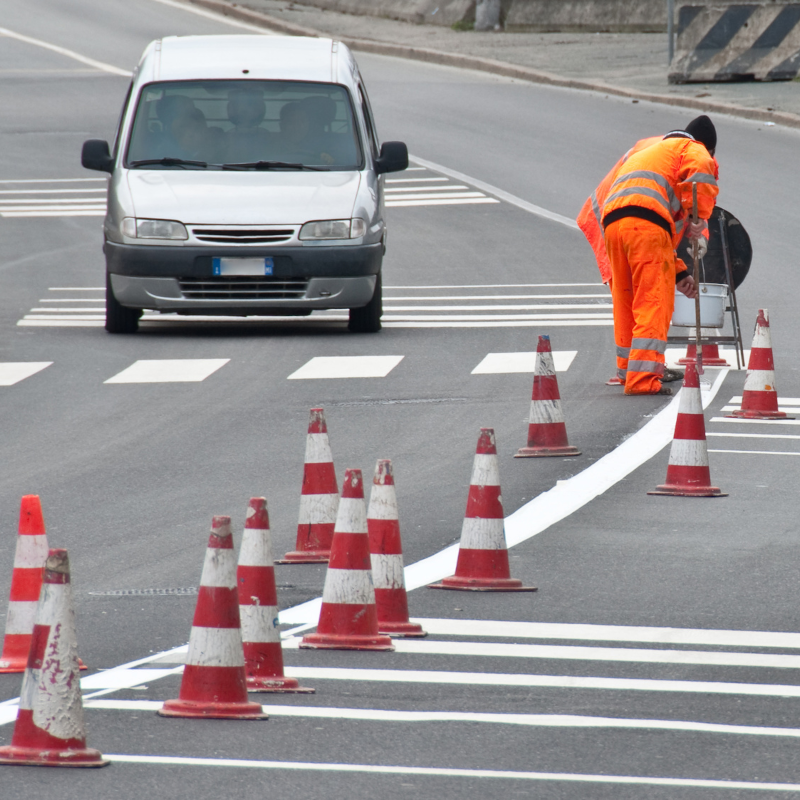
532,720
55,316
482,317
76,289
37,323
435,299
375,769
579,653
74,300
610,633
59,202
553,323
736,421
49,191
55,180
451,195
757,452
102,66
788,401
23,214
785,409
346,367
235,23
505,363
170,370
416,180
535,307
51,311
12,372
451,187
754,435
498,286
478,200
499,193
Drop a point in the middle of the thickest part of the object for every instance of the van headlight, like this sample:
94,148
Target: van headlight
153,229
334,229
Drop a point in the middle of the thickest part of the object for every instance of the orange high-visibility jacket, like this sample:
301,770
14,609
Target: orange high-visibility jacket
590,219
660,177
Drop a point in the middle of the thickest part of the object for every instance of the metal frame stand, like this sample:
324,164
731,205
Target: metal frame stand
733,308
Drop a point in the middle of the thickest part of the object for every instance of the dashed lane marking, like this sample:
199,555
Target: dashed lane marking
346,367
169,370
12,372
736,421
757,452
505,363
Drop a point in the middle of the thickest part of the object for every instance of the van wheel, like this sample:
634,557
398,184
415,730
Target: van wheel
119,319
368,318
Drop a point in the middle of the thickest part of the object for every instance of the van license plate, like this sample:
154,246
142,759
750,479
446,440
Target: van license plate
242,266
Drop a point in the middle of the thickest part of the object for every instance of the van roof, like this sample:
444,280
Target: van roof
250,57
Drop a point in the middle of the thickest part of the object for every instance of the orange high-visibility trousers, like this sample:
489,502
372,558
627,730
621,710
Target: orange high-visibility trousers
643,270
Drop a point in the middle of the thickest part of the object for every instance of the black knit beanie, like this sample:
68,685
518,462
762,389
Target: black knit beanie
702,128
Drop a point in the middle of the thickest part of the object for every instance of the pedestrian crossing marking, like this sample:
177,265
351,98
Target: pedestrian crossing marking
24,201
433,190
758,452
506,363
182,370
12,372
346,367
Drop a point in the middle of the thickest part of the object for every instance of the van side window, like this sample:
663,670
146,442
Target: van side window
121,118
371,132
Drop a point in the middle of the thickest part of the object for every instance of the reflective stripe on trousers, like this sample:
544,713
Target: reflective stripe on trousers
643,285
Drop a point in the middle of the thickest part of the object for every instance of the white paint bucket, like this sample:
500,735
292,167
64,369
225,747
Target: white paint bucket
713,298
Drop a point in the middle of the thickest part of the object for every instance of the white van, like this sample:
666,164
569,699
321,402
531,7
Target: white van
246,179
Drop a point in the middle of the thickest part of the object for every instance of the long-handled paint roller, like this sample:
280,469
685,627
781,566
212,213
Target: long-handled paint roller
696,259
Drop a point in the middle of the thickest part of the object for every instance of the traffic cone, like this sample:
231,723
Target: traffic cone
348,619
760,397
711,356
687,473
386,555
213,684
482,564
26,584
319,499
50,730
258,606
547,429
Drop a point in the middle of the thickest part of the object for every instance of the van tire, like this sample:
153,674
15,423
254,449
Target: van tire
119,319
368,318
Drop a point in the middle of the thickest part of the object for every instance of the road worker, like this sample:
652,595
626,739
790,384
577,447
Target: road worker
645,212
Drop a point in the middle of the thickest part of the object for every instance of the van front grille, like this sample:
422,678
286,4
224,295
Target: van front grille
243,288
243,235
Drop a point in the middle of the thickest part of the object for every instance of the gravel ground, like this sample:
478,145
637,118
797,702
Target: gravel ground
630,60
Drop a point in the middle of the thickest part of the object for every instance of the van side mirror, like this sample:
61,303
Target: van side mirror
96,155
393,158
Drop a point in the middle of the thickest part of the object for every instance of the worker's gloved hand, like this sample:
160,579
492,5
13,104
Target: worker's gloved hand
696,229
687,287
702,246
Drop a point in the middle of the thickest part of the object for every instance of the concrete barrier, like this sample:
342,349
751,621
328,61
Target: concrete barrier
587,16
737,42
433,12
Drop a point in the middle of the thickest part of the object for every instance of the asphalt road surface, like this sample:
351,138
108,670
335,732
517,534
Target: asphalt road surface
636,671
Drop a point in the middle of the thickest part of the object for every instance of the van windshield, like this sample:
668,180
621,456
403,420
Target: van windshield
244,124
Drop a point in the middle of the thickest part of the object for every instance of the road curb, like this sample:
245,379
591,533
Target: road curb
494,67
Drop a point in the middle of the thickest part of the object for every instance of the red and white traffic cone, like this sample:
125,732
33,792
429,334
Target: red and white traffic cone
482,564
213,684
386,554
319,499
348,619
50,730
547,428
687,473
258,606
711,356
26,584
760,396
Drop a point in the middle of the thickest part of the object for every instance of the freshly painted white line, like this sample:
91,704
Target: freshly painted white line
123,678
20,192
479,200
735,421
35,323
12,372
579,653
543,681
200,12
757,452
788,401
544,325
499,193
376,769
532,720
451,187
462,297
754,435
610,633
74,300
483,317
498,286
170,370
504,363
533,307
70,311
346,367
57,202
76,289
54,316
102,66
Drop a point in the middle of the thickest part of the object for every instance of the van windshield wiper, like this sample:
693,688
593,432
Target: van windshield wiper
266,165
167,162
